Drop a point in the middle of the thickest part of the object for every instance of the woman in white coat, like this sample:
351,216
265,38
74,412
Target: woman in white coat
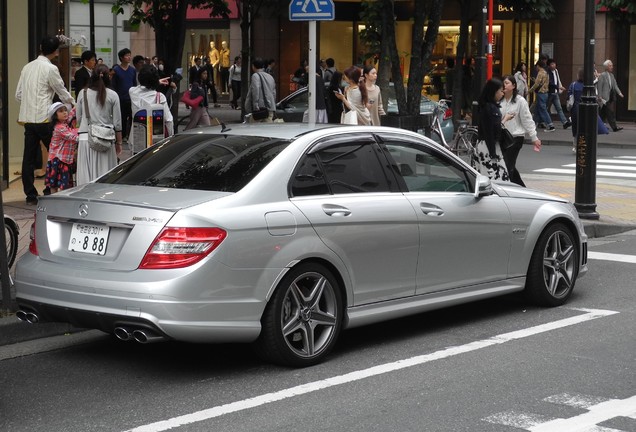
103,107
519,124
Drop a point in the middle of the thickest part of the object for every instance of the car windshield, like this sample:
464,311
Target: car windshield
223,163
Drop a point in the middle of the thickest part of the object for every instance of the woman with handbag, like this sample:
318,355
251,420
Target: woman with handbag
519,126
355,97
490,121
199,115
97,105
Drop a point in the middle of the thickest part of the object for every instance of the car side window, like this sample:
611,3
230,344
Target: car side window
342,168
424,170
353,168
308,178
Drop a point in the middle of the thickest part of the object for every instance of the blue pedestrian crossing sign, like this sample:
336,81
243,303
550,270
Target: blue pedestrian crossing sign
311,10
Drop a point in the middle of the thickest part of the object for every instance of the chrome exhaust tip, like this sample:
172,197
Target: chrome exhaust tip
122,333
146,336
32,318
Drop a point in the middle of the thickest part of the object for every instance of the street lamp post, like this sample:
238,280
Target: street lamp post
585,187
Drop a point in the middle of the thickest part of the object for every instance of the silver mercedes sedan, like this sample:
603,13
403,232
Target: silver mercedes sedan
283,236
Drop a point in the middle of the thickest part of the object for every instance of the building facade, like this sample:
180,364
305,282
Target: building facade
24,23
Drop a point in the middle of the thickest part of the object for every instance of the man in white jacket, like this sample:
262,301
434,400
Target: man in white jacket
39,81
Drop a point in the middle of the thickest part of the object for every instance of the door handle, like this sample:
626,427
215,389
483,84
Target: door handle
335,210
431,209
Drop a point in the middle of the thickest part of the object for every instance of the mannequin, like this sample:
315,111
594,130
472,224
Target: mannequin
214,61
225,68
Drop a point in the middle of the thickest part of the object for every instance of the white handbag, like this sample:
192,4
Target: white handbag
350,118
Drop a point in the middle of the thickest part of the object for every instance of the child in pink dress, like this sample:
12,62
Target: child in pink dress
62,150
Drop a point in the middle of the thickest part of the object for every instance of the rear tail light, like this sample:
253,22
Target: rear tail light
33,247
448,113
181,247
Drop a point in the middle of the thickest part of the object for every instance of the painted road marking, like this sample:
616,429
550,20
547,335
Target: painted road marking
611,257
573,172
218,411
598,409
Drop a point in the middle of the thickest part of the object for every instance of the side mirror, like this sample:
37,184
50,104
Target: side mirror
483,187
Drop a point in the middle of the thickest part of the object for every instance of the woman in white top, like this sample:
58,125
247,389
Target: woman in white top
355,96
521,77
519,124
375,106
235,82
143,96
103,107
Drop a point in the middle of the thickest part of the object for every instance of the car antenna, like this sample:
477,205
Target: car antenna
225,128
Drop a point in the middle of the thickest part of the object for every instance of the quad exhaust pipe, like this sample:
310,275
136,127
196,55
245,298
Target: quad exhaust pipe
30,317
143,336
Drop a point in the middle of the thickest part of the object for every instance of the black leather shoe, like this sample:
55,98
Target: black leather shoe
31,200
46,191
567,124
618,129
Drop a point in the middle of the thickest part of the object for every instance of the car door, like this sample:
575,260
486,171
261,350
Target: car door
342,187
463,240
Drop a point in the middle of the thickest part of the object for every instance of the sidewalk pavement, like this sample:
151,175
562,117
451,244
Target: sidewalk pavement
616,204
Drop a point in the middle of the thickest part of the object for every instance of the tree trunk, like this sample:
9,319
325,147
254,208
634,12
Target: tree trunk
388,28
458,91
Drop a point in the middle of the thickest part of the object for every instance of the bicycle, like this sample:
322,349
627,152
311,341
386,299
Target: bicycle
465,143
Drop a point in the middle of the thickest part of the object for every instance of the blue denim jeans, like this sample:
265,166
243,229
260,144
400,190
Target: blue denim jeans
553,99
542,110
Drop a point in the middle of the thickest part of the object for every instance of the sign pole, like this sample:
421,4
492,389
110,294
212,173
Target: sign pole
312,74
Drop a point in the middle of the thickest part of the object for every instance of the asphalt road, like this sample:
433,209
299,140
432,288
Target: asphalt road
497,365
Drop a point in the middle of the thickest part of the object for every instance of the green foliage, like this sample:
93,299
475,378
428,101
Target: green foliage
533,9
371,35
162,12
621,11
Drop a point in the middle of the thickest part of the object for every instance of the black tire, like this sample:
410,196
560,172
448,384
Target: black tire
11,237
554,266
303,319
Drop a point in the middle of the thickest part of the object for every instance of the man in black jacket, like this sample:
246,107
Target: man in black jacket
83,74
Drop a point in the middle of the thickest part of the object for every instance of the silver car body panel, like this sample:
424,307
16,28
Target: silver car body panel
222,297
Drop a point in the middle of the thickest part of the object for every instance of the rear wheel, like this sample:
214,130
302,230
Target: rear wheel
11,237
303,318
553,267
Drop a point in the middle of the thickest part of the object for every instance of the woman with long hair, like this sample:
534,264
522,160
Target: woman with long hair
199,115
490,121
375,106
521,77
520,126
104,109
355,96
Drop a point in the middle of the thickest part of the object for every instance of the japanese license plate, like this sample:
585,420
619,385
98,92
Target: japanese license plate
88,238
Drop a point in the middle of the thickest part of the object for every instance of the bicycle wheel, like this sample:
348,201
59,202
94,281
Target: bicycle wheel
466,146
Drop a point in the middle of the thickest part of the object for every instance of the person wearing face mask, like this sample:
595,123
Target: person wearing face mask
334,105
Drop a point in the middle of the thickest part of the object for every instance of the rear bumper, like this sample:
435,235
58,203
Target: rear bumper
224,305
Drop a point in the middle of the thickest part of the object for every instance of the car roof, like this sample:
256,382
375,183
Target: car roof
273,130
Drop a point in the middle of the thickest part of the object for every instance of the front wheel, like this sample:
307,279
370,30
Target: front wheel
303,318
554,266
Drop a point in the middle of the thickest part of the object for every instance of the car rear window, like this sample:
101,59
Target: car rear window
202,162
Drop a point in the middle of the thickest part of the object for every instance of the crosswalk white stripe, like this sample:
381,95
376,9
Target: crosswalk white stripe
617,161
576,400
573,172
609,167
604,256
519,420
